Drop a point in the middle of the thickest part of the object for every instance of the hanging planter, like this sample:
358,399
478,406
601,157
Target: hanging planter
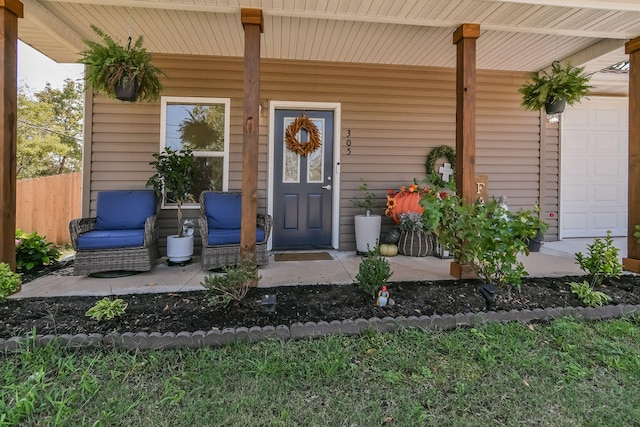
563,85
113,68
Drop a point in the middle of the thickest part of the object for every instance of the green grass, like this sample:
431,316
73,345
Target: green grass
565,373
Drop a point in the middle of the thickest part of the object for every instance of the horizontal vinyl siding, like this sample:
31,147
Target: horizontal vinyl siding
396,115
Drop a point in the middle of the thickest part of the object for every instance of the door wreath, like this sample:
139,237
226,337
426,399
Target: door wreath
437,153
302,148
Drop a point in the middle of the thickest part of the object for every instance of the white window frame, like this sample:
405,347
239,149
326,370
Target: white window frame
194,100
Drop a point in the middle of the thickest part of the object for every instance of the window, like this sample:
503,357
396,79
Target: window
203,125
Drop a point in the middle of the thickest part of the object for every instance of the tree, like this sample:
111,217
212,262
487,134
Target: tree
49,130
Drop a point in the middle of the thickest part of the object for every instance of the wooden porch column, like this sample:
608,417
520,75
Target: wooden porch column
465,40
253,24
10,11
632,262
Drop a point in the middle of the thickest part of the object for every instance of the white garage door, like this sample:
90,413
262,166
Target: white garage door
593,174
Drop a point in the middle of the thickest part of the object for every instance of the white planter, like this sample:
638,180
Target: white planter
367,232
179,249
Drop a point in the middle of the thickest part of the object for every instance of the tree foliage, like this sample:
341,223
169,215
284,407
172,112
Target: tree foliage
49,130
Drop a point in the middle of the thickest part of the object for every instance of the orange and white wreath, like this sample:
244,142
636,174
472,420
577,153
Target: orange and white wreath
302,148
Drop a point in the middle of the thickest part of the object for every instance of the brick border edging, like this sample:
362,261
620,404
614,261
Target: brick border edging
218,338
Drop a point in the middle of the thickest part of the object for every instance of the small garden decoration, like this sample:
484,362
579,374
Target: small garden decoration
302,148
551,91
444,178
113,67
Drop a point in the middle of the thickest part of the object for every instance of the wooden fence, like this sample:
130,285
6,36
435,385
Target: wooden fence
46,205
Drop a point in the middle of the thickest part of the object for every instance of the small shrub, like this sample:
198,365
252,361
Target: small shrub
602,260
33,252
587,295
9,281
233,285
107,309
373,272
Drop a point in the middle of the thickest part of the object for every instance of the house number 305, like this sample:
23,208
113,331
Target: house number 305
348,142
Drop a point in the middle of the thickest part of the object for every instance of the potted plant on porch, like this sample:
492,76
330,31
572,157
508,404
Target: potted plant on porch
552,90
175,173
367,226
122,72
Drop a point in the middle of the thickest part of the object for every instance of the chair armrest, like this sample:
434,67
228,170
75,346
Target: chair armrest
151,230
266,222
204,229
79,226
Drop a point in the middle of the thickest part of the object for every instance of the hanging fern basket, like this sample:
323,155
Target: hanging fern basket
126,91
555,106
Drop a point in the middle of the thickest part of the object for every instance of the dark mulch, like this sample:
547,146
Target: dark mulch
189,312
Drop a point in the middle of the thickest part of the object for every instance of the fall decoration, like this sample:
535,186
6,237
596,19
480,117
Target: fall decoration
388,249
314,136
407,199
434,176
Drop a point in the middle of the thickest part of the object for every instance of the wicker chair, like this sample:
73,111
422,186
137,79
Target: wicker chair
123,236
220,217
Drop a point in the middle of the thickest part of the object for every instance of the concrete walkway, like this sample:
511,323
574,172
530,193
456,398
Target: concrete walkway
554,259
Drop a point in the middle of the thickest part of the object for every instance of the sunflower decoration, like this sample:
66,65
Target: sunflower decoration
302,148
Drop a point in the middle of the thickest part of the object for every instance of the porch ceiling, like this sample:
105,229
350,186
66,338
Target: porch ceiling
516,35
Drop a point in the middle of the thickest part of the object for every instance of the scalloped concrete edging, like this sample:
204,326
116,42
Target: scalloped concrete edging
218,338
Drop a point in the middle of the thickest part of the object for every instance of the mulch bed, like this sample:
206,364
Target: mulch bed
189,311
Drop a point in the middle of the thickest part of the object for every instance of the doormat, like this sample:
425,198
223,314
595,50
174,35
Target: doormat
304,256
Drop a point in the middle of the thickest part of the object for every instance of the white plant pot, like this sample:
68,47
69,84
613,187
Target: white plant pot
179,249
367,232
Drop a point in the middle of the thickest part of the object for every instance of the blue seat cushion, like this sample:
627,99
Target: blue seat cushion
110,239
225,236
124,209
223,210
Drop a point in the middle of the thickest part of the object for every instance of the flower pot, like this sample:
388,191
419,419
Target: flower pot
367,232
179,249
555,106
534,243
415,243
126,91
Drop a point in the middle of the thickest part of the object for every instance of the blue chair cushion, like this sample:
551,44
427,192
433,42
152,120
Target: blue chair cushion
225,236
110,239
223,210
124,209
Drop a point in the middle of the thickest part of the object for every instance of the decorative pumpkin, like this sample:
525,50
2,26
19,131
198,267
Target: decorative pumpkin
388,249
406,202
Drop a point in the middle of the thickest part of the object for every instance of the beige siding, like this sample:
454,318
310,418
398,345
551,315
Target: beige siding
396,115
550,197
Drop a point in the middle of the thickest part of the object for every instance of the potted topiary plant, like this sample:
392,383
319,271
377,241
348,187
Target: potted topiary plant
367,226
563,85
175,173
122,72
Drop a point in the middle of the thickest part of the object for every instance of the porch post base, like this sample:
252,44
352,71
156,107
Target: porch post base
462,271
631,264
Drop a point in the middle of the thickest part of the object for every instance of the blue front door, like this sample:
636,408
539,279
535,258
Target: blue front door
303,184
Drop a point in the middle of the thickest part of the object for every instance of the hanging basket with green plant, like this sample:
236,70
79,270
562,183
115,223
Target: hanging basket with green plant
551,90
121,72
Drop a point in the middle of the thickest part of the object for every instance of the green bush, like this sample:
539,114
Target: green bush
33,252
233,285
107,309
602,260
373,272
9,281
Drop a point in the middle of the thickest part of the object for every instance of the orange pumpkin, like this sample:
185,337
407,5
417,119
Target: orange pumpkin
406,202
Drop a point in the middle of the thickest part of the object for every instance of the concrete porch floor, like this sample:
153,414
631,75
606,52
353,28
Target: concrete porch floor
554,259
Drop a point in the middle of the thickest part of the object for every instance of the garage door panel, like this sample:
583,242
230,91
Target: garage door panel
593,168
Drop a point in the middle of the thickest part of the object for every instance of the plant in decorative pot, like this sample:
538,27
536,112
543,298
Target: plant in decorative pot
552,90
175,173
122,72
415,239
367,226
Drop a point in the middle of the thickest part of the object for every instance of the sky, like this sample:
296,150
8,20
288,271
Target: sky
35,69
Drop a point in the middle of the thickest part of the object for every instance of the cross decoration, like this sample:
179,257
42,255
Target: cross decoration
446,171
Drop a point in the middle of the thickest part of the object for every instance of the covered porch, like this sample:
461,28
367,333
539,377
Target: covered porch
322,53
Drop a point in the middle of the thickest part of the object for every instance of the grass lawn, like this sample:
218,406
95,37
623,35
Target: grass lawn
565,373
